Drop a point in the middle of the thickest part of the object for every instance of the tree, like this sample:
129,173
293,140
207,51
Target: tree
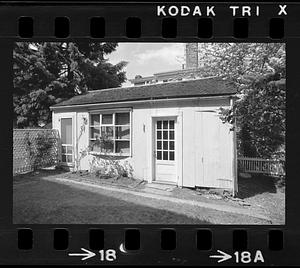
258,72
47,73
261,117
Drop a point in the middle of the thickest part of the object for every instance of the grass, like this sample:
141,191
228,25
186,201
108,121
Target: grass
40,202
38,199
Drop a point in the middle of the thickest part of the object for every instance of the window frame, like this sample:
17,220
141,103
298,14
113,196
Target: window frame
114,126
161,140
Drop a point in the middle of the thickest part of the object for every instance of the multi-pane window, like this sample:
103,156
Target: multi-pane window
165,140
110,133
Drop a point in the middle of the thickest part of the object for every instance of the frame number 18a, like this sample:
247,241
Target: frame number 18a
239,257
246,257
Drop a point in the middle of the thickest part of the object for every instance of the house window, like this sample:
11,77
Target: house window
165,140
110,133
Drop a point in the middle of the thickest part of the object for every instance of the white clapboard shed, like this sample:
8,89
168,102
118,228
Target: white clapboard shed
168,132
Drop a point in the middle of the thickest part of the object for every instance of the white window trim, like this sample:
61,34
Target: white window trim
114,112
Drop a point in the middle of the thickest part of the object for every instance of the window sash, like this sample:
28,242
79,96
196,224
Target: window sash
114,138
165,140
65,153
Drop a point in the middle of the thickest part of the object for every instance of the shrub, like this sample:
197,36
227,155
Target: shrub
110,166
107,164
43,149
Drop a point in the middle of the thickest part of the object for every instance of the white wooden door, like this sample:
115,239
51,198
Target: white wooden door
165,150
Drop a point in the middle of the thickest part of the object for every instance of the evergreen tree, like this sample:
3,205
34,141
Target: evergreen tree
48,73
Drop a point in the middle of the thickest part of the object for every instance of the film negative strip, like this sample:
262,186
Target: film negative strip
149,133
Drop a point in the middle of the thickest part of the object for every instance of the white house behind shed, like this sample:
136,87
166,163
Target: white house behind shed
166,132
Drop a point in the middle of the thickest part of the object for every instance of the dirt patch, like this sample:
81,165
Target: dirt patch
259,194
120,181
259,184
265,193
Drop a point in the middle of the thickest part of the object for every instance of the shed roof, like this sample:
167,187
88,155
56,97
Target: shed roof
212,86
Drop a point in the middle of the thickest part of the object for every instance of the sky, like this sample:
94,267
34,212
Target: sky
145,59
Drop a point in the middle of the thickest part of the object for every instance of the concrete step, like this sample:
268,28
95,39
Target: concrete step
156,191
160,186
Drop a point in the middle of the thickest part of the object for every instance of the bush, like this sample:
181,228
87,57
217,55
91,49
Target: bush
110,166
43,149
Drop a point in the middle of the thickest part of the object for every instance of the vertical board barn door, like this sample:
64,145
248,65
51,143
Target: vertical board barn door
215,152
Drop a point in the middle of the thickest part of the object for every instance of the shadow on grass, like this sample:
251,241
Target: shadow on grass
258,184
46,202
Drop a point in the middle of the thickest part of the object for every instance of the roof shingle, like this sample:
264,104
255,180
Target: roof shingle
212,86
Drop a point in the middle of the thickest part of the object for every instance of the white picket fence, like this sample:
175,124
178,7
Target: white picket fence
264,166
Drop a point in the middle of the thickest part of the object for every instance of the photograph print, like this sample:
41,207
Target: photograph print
149,133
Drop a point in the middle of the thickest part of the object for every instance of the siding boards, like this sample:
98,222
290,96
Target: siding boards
214,152
188,147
